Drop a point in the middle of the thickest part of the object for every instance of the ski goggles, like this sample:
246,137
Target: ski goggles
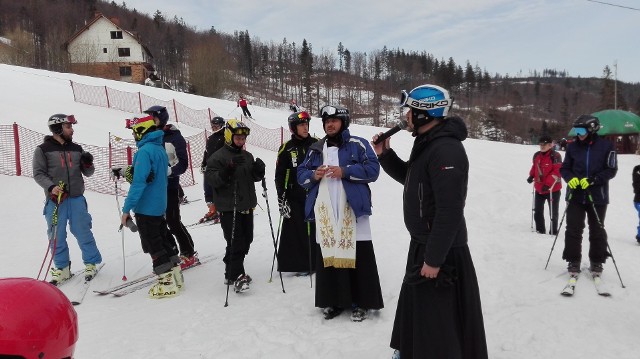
332,111
240,131
60,119
407,100
580,131
303,117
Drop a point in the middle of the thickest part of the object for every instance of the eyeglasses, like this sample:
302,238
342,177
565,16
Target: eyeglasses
424,104
580,131
328,111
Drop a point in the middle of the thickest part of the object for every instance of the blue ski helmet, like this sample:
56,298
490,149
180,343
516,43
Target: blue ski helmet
430,99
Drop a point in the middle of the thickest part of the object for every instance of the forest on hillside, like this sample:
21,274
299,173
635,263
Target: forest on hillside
270,73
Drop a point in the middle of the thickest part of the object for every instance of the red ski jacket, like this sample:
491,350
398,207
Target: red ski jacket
546,171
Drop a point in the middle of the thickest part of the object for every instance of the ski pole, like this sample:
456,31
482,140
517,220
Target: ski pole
116,177
233,232
275,247
533,205
310,261
273,261
570,194
232,111
54,233
593,206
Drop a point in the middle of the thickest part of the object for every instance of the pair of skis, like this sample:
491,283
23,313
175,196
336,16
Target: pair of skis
144,281
76,287
570,288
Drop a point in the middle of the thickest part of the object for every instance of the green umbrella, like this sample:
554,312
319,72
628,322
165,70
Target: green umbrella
616,122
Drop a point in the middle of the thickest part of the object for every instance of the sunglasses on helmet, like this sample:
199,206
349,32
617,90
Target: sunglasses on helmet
328,111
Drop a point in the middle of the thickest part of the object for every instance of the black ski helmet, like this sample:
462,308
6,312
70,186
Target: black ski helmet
588,122
56,121
160,112
339,112
217,121
297,118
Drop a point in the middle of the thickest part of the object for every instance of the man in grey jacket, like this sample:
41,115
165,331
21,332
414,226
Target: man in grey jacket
58,167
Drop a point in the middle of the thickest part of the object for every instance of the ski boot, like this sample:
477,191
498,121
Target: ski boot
190,261
90,271
178,276
242,283
358,314
59,275
165,288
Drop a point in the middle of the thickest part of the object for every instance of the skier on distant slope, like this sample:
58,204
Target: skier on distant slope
148,199
176,148
589,163
545,174
59,160
296,251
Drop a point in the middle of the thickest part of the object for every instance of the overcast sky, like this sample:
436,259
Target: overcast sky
501,36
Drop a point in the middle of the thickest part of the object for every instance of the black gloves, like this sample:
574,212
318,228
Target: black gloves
116,172
86,159
530,179
545,188
258,168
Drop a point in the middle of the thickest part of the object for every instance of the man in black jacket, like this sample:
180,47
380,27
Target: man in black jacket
231,172
439,313
214,143
589,164
635,177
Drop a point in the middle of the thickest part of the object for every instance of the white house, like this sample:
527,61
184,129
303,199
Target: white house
103,49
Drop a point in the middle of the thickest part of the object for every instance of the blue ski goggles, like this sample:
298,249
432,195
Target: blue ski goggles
580,131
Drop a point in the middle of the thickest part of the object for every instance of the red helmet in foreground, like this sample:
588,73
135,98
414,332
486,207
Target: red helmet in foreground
37,320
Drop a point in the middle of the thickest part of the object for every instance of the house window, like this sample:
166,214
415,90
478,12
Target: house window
125,70
116,34
124,52
104,50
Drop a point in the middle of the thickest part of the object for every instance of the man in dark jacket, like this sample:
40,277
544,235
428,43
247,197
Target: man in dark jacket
296,250
214,143
176,148
59,165
231,172
439,313
589,163
635,177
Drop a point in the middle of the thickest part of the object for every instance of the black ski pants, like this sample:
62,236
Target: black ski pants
245,111
238,242
176,228
538,212
156,241
576,213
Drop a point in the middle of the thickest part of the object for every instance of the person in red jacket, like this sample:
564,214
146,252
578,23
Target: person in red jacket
242,102
546,179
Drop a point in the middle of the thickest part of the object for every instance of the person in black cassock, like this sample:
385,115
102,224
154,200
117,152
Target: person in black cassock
439,314
337,171
294,252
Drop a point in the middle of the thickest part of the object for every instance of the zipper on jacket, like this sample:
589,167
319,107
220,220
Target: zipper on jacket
420,196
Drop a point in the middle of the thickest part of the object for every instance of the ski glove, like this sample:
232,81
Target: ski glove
545,188
586,182
258,168
573,183
530,179
128,175
285,209
86,159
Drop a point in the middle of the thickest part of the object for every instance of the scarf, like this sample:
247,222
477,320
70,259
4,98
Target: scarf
335,220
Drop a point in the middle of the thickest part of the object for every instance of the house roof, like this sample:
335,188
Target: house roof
94,20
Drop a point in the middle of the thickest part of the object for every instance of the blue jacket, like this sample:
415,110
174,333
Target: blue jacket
173,137
593,158
149,198
359,167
